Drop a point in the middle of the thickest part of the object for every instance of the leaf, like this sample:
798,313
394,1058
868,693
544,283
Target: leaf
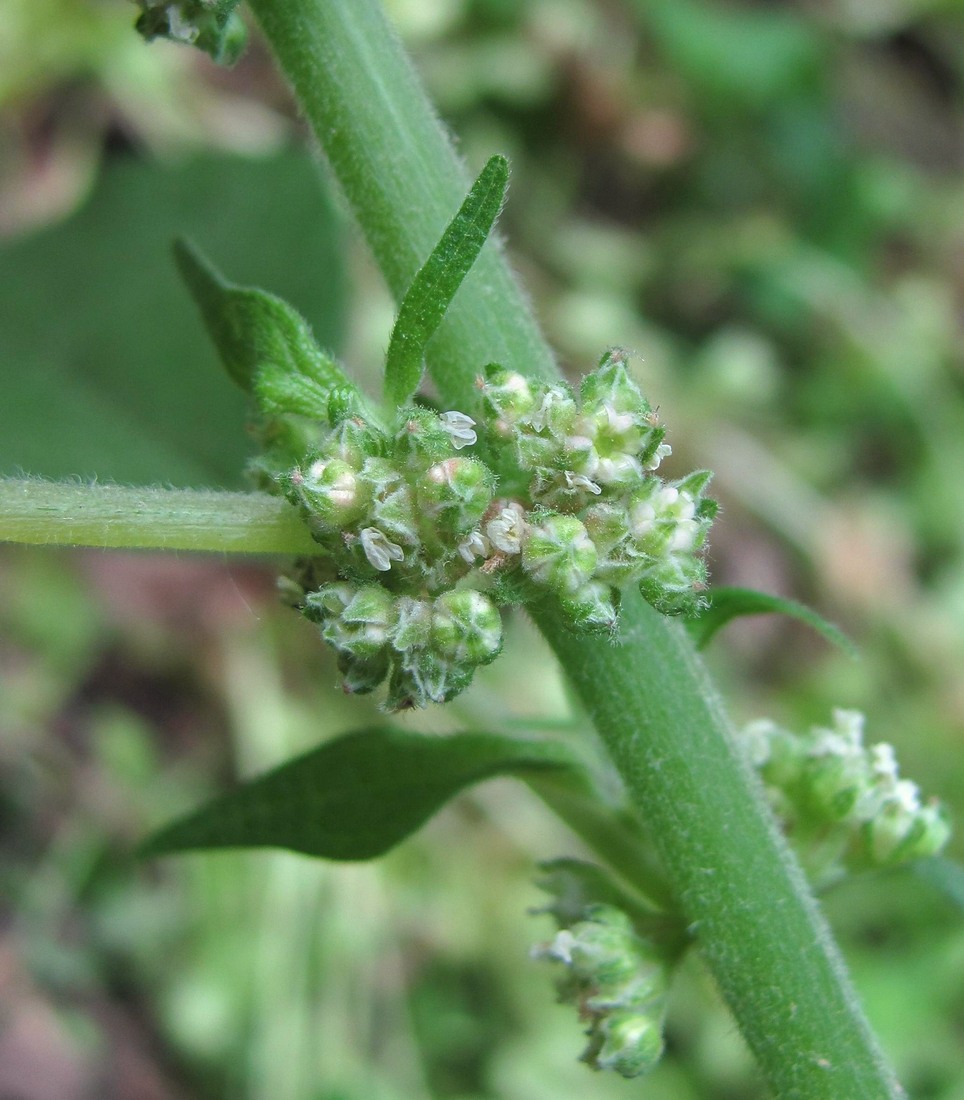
946,875
264,344
358,796
433,288
106,372
727,603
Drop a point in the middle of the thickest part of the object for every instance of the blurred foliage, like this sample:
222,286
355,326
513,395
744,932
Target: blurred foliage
763,202
113,375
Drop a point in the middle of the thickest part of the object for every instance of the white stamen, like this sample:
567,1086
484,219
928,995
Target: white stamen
580,481
459,426
474,545
664,450
379,551
505,529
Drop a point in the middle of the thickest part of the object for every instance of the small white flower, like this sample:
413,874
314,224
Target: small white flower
642,519
907,795
684,536
883,761
379,551
474,545
559,948
664,450
758,740
619,467
616,422
580,481
179,28
505,530
459,426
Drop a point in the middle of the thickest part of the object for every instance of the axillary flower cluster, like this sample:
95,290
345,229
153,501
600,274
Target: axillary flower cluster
844,802
427,529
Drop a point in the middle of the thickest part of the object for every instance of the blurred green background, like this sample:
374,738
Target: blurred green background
765,203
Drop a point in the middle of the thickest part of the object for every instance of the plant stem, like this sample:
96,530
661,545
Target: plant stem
50,513
404,174
739,886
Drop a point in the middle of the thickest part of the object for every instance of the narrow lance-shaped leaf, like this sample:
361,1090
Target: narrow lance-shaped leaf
264,344
358,796
433,288
725,604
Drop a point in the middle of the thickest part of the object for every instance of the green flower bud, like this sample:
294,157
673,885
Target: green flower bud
542,432
558,553
612,432
837,776
594,607
554,411
673,585
329,601
421,678
422,439
413,624
328,491
611,384
394,514
455,493
353,620
663,520
631,1042
619,470
343,404
466,627
508,396
362,675
562,490
619,981
353,441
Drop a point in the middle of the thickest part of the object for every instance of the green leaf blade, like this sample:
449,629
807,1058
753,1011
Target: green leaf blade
265,345
728,603
437,281
358,796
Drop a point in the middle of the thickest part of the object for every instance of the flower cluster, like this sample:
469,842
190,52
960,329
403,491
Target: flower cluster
602,517
211,25
421,541
617,977
843,798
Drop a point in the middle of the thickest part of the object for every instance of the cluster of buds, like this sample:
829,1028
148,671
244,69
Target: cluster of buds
211,25
601,516
616,977
844,799
421,541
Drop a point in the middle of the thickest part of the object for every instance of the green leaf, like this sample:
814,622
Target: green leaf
944,874
724,604
264,344
433,288
107,374
358,796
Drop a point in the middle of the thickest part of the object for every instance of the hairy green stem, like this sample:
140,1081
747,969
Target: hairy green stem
49,513
405,176
739,886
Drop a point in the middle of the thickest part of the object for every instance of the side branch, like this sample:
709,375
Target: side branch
49,513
